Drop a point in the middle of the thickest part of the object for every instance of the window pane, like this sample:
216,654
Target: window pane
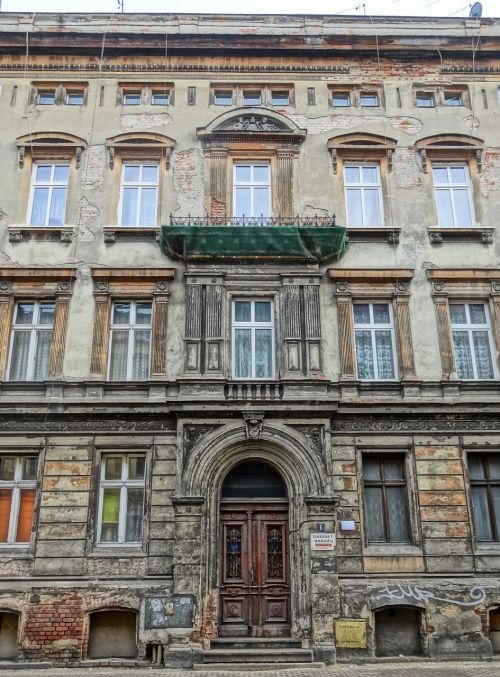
243,202
476,468
372,207
39,208
251,98
440,175
261,202
140,367
394,469
110,515
119,352
444,209
129,206
42,355
425,100
147,216
261,173
364,355
351,174
280,98
482,354
452,99
43,173
19,357
458,174
46,315
135,514
495,495
494,466
243,353
25,515
354,208
121,313
341,100
57,207
29,467
7,468
74,99
262,311
143,313
361,313
136,467
481,515
132,173
5,503
263,353
160,100
113,468
477,313
369,100
463,357
150,173
457,313
371,468
374,514
370,174
462,207
61,173
243,173
132,99
397,511
242,311
383,343
381,314
223,98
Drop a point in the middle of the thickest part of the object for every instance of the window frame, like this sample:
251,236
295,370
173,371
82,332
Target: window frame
131,327
488,483
257,92
43,93
17,484
430,95
469,328
338,93
365,94
273,91
372,327
124,483
362,187
252,325
33,329
132,93
252,185
450,187
50,185
140,185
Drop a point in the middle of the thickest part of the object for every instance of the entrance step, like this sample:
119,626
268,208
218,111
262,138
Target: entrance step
257,655
255,643
253,667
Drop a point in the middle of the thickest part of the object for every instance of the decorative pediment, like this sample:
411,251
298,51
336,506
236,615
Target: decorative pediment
140,145
360,145
244,122
450,147
252,123
50,144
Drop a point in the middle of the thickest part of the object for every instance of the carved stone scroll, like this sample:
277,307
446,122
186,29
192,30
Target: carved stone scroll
404,338
346,338
100,341
284,182
6,307
444,336
159,335
59,335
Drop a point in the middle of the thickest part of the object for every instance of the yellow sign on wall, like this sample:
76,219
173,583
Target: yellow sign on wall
350,634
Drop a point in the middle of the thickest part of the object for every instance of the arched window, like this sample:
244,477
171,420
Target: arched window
253,479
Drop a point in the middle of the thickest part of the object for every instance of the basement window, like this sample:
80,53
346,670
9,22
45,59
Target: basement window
9,629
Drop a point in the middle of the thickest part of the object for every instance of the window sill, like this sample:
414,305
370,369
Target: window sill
385,234
473,234
392,549
44,233
131,234
487,548
12,551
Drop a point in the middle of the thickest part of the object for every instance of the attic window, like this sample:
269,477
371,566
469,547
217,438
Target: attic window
46,97
368,99
131,98
75,98
425,100
453,99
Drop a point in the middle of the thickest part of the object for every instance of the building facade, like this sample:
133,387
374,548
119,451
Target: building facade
249,336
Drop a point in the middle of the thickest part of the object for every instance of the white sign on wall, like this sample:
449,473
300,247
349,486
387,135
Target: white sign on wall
323,541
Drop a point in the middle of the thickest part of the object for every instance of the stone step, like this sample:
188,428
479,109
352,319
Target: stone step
257,655
255,643
253,667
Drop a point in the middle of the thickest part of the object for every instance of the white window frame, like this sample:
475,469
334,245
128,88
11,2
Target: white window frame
139,185
470,327
362,187
252,185
365,94
131,327
372,327
450,188
123,484
17,485
41,93
252,325
254,93
51,184
346,96
222,100
157,93
276,92
134,93
75,92
33,328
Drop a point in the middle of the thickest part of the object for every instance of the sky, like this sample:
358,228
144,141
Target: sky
458,8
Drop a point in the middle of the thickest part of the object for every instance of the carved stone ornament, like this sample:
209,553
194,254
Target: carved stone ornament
342,286
439,286
193,433
252,123
254,422
162,286
314,435
64,286
436,424
70,425
495,287
101,286
5,286
401,286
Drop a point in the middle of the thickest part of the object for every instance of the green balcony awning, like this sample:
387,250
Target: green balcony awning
276,243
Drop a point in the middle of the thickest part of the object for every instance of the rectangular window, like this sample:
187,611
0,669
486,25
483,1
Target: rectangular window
252,190
280,97
17,498
46,97
368,99
252,97
75,98
139,195
484,474
130,341
160,99
386,499
363,195
452,98
253,339
31,340
49,191
341,99
472,341
132,98
121,500
453,195
223,97
374,341
425,100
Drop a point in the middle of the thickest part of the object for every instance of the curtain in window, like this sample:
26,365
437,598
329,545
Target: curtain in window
364,355
481,514
42,354
25,516
243,350
19,357
57,207
119,352
110,515
142,343
133,527
482,353
397,514
374,514
5,503
263,353
463,355
383,343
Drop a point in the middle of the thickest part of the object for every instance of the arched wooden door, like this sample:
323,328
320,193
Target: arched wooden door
255,571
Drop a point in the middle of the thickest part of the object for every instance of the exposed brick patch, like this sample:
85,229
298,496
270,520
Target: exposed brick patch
490,174
189,177
93,170
405,169
327,123
217,208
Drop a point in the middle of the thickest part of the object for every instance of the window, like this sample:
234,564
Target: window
252,189
453,195
425,100
341,99
121,499
17,497
453,98
280,97
386,500
75,98
139,195
252,97
48,194
223,97
253,339
160,98
130,341
363,195
484,474
368,99
132,98
472,340
31,341
46,98
374,341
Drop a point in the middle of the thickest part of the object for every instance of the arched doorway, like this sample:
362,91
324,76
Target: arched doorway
255,570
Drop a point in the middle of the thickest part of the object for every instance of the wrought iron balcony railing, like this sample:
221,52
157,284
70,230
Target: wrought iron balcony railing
301,221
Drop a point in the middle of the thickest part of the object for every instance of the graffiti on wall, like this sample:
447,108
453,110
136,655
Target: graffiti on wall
414,593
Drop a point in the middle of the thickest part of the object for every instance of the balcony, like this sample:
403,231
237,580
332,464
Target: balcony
274,239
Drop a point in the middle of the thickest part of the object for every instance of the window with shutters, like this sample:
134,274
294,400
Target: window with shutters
18,475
